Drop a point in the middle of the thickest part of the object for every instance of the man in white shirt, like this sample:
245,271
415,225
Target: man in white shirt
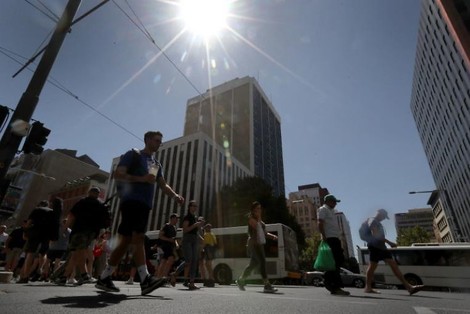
330,232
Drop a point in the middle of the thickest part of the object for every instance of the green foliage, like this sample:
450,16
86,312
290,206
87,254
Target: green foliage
408,236
309,252
237,199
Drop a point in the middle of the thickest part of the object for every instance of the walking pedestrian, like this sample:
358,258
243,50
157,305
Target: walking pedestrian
57,250
3,240
376,243
330,232
210,245
86,218
169,245
40,228
191,240
257,239
14,247
137,173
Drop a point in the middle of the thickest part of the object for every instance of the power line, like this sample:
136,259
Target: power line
150,38
58,85
54,18
61,87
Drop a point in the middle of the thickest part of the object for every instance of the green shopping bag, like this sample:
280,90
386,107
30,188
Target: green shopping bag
325,260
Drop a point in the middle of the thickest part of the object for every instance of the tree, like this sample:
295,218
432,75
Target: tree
408,236
309,252
237,199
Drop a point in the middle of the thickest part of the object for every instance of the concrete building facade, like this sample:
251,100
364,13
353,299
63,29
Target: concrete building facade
241,119
75,190
440,105
303,205
422,217
37,177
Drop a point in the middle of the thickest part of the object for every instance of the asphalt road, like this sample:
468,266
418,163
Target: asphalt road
39,297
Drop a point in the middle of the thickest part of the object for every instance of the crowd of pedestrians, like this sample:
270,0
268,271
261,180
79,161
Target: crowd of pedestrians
75,249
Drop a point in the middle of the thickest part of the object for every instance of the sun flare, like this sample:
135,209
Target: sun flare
205,18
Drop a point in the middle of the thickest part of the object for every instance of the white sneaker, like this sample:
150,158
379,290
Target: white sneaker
72,281
130,281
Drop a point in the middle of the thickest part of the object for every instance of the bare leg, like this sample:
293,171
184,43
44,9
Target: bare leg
370,276
28,262
90,258
393,265
210,271
167,266
120,250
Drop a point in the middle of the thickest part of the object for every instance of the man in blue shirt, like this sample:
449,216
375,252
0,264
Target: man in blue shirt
137,172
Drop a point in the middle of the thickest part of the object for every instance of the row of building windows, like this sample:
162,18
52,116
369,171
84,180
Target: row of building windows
440,105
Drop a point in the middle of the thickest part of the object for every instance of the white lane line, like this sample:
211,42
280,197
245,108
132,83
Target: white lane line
446,309
346,300
423,310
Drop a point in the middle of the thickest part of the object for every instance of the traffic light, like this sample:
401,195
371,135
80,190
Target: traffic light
37,137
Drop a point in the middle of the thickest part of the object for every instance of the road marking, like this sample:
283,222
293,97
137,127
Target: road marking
451,310
423,310
346,300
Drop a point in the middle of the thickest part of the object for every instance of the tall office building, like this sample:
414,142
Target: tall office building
196,169
346,236
305,212
440,105
303,205
241,119
422,217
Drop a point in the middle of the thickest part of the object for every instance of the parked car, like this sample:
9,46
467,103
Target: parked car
315,278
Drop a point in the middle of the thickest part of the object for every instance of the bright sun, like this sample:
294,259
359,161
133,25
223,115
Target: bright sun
205,18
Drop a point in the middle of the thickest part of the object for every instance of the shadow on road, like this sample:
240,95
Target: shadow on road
103,299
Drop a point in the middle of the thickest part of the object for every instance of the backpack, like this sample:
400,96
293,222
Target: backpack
364,231
120,186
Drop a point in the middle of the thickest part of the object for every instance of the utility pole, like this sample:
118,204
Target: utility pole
10,141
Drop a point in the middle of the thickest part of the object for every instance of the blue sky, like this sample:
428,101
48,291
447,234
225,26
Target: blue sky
338,72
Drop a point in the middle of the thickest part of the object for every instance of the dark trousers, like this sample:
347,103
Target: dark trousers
258,259
332,279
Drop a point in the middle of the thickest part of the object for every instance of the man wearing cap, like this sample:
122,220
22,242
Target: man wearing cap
168,244
378,251
330,232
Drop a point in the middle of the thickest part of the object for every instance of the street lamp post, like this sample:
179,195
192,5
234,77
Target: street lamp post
455,228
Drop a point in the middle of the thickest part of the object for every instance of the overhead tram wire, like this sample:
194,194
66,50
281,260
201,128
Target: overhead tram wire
39,51
61,87
53,81
142,28
50,11
54,17
31,60
147,34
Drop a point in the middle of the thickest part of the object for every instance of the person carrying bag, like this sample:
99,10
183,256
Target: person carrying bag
325,260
